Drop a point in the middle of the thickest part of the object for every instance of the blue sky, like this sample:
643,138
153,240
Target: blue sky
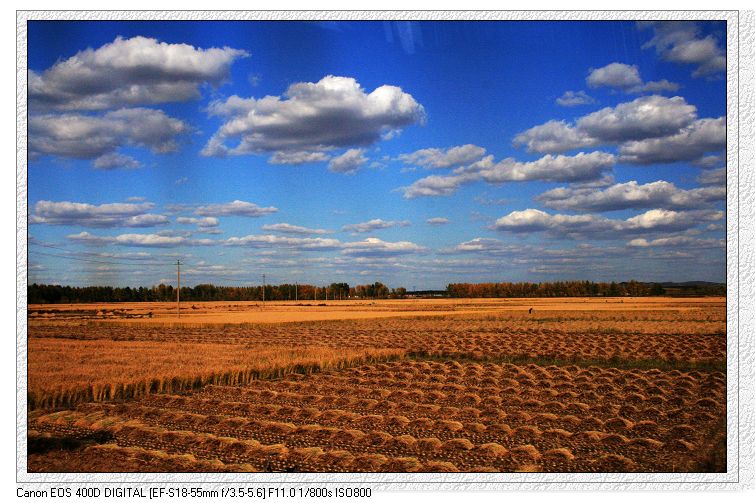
413,153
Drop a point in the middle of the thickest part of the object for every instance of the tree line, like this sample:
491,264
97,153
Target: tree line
57,294
52,294
583,289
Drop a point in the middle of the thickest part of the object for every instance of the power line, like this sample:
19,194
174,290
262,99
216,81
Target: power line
232,279
137,260
80,259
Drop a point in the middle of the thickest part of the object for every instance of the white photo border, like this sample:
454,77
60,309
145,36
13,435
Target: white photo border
740,26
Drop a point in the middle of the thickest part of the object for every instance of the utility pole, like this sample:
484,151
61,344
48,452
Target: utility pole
178,290
263,289
296,292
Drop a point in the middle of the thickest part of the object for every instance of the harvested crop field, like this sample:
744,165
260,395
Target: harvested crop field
571,387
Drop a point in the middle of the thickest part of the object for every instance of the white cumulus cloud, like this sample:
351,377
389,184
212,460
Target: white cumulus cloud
645,117
312,116
234,208
293,229
375,224
626,78
128,72
90,215
443,158
349,162
681,42
630,195
97,137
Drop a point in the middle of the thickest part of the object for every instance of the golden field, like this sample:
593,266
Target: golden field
618,384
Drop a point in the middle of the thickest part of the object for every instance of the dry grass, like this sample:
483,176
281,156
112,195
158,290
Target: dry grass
577,385
63,373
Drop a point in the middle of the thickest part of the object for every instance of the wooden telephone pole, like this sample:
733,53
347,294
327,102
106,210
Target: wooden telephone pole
178,290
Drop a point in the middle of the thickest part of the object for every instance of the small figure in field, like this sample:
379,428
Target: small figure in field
530,310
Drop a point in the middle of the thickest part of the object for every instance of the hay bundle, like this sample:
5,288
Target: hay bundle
483,469
406,442
558,454
214,443
645,427
349,436
369,421
509,383
618,424
707,403
634,398
470,412
474,428
301,455
289,411
421,423
526,452
377,438
654,390
614,439
527,432
453,388
502,429
430,444
679,414
570,419
339,459
554,406
449,426
493,414
449,411
470,399
591,423
309,413
698,416
440,467
240,448
344,401
589,436
578,407
234,423
657,399
546,417
397,421
349,417
332,415
398,394
136,433
401,465
312,398
627,410
457,444
684,431
557,434
368,462
646,443
613,463
325,434
491,450
272,450
528,468
424,408
492,401
277,428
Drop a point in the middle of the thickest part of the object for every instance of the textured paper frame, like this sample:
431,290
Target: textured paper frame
740,323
